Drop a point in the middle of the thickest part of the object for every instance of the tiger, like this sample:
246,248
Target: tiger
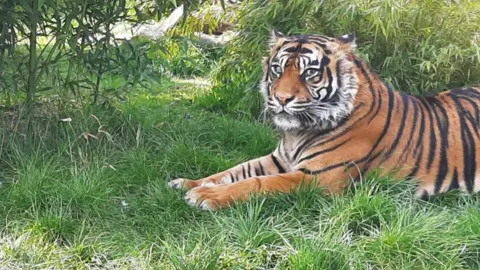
338,121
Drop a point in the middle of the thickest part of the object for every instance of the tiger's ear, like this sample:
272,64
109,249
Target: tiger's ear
275,36
347,42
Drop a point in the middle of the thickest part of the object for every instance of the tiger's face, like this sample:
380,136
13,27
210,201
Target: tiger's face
308,81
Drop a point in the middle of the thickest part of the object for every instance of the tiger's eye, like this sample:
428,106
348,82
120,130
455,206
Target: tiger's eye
277,69
312,72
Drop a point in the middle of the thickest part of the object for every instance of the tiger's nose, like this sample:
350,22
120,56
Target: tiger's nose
284,98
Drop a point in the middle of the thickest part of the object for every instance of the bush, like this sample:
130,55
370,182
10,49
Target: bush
418,46
71,49
184,57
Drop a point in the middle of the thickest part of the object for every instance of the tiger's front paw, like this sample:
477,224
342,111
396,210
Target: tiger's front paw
182,183
209,198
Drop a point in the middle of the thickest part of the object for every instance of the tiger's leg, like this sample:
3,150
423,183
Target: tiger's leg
266,165
224,195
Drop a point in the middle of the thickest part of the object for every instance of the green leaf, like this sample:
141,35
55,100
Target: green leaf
40,4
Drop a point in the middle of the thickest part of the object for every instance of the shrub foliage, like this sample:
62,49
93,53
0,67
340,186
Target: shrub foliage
69,47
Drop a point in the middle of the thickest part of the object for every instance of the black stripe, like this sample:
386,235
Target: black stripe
304,61
320,43
469,92
420,144
331,167
474,120
345,131
243,172
405,99
442,173
442,122
468,143
418,149
302,40
305,144
261,168
318,38
298,49
330,80
433,138
292,49
257,172
391,103
279,167
378,108
369,162
323,45
348,164
359,65
323,151
232,177
285,43
304,50
408,146
248,170
454,184
443,126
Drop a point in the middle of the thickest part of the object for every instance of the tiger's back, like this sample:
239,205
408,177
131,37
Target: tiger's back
431,139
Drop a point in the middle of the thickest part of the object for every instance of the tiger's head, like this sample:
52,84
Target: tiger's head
309,81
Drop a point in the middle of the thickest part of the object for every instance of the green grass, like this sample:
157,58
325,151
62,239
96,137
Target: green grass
93,193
